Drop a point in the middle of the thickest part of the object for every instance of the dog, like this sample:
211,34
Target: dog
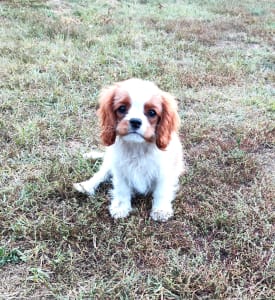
139,125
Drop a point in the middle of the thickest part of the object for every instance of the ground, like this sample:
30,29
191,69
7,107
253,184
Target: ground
217,58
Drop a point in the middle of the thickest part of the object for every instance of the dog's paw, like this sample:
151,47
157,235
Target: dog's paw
84,188
119,211
161,215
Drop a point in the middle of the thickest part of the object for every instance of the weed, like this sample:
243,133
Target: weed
13,256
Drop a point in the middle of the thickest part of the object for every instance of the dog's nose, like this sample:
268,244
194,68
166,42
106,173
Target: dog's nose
135,123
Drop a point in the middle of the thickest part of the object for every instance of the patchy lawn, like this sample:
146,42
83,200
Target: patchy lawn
218,59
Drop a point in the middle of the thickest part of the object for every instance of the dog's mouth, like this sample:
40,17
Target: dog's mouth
135,133
135,136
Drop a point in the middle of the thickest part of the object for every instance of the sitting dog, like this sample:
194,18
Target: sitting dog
139,124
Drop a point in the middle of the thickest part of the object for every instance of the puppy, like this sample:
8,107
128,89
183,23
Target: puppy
139,124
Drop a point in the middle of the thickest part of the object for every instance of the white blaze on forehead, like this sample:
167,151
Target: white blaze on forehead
140,91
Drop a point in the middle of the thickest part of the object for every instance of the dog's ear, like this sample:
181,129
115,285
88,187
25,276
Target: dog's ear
169,121
107,115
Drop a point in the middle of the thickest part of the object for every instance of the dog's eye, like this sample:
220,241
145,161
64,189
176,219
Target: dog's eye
122,109
151,113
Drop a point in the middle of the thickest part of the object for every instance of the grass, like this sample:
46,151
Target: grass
217,58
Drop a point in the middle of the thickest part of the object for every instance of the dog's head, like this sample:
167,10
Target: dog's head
137,111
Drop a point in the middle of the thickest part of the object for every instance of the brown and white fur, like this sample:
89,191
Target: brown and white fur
139,124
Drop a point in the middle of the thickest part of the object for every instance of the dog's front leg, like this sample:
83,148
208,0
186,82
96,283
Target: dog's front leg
163,196
120,206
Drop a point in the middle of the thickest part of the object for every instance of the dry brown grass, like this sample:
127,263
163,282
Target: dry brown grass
217,58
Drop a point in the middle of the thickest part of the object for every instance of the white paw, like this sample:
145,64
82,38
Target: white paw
119,211
161,215
84,188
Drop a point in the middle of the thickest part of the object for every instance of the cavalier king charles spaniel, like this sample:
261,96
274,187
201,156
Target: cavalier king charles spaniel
139,124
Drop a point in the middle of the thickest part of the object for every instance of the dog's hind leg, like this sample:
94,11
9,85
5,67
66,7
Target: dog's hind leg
89,186
93,155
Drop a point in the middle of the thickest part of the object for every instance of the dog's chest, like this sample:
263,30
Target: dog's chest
140,172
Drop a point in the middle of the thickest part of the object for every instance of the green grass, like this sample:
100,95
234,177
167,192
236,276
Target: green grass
10,256
217,58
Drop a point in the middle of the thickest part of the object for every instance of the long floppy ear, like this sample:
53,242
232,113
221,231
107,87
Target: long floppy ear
169,121
107,116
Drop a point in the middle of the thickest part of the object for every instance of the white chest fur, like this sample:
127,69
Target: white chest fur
137,164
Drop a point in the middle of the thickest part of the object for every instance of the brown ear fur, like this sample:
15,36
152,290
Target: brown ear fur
169,121
107,116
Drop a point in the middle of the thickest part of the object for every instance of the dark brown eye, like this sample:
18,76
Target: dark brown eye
151,113
122,109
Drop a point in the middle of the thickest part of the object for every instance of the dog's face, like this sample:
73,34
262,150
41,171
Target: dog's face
139,112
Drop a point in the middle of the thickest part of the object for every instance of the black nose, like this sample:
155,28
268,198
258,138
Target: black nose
135,123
